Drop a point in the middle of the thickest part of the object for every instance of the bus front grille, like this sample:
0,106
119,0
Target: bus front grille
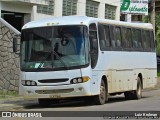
53,80
54,91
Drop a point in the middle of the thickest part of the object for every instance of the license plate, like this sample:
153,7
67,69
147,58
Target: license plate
54,96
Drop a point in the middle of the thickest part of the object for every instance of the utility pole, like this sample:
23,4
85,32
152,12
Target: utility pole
152,14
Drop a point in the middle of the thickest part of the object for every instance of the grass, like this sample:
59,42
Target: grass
8,94
158,73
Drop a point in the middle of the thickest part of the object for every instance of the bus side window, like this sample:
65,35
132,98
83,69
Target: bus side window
118,37
93,36
129,37
152,41
113,42
137,41
107,37
146,39
104,36
93,44
126,38
115,33
101,33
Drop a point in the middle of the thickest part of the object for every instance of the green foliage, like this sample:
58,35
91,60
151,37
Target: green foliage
158,32
145,19
158,19
158,73
8,94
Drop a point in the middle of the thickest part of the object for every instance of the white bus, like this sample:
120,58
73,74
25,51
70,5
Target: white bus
79,56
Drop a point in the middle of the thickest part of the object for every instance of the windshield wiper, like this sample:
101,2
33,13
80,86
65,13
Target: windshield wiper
61,60
54,53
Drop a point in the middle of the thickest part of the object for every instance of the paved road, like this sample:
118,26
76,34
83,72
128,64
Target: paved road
149,102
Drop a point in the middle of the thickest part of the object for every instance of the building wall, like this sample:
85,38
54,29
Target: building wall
19,8
81,9
9,61
58,9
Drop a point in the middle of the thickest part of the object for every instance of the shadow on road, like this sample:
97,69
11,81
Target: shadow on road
77,103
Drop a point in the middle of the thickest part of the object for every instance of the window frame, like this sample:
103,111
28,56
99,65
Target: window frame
93,56
130,42
144,48
152,37
106,47
112,9
138,48
69,9
113,37
92,4
122,48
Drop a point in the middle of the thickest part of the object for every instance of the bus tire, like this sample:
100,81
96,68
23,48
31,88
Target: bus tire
44,102
137,94
101,98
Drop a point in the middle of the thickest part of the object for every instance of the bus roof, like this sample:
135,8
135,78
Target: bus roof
82,20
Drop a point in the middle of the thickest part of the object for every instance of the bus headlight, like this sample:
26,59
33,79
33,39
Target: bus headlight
28,83
74,81
80,80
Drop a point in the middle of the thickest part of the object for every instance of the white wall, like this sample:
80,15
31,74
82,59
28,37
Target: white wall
37,16
81,9
21,8
115,3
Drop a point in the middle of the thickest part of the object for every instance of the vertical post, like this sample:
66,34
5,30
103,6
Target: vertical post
152,16
128,17
81,7
101,10
58,8
34,13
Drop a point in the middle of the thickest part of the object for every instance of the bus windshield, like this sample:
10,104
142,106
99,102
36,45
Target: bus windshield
56,47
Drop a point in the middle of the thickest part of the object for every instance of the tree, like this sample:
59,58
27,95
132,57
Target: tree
157,32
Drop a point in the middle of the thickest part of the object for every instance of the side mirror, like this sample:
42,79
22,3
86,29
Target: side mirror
16,44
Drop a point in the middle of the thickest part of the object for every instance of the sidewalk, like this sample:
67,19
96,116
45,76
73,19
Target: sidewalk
15,103
10,98
9,102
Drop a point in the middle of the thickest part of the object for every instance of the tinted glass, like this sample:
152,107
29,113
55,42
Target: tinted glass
136,36
54,47
104,36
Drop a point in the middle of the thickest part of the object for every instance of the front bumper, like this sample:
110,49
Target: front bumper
56,92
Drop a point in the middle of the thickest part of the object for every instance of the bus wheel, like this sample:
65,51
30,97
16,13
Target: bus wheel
101,98
137,94
44,102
